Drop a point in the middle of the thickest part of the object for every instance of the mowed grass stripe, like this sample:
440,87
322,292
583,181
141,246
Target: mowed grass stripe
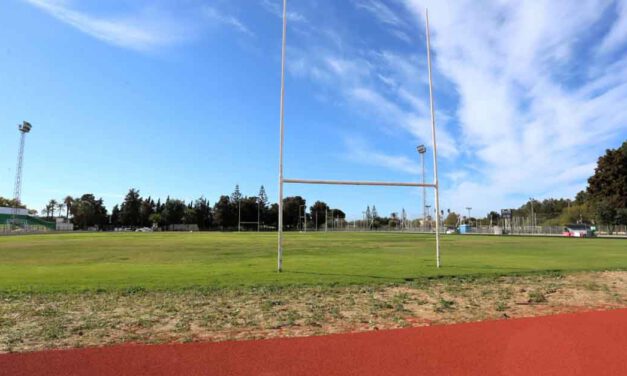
163,261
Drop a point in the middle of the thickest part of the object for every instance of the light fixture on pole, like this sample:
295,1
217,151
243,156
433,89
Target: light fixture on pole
24,128
428,213
326,218
304,216
363,216
422,150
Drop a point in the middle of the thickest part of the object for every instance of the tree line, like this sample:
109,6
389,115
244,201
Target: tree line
229,212
604,201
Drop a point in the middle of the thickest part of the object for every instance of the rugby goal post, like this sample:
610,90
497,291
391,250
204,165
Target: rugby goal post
283,180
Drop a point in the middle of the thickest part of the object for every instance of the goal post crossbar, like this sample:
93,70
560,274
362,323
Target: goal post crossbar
283,180
355,182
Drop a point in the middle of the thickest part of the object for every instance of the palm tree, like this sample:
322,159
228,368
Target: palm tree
47,209
68,200
53,206
60,207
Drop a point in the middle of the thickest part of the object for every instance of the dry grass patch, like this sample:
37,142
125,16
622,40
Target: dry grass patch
63,320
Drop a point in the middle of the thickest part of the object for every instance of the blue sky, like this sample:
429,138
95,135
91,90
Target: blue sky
181,98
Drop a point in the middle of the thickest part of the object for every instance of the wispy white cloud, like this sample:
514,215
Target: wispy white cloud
522,115
617,36
387,87
393,21
531,122
142,31
217,16
382,85
381,11
146,27
276,7
417,124
359,151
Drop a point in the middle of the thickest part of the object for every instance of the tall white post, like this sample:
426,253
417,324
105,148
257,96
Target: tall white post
282,111
435,148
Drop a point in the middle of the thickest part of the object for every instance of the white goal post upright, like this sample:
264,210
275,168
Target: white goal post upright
282,110
283,180
436,184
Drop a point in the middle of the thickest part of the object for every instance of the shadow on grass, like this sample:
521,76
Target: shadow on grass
490,272
343,275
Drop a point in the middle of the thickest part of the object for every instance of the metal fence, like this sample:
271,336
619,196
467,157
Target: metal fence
542,230
10,230
486,229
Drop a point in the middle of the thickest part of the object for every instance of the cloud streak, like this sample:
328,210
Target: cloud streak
360,152
617,36
139,32
530,115
276,8
528,94
382,12
385,15
146,28
216,16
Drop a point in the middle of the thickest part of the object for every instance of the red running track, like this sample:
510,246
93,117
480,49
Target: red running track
589,343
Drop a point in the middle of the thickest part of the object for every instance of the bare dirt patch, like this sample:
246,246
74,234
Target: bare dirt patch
31,322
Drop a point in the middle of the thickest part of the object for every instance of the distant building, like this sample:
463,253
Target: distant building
9,211
24,221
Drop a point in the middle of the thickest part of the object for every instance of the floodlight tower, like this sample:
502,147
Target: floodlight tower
24,128
422,150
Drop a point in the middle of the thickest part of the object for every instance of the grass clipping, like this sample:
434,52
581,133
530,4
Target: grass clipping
30,322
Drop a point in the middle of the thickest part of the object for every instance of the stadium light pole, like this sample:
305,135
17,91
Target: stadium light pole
422,150
363,219
304,216
239,215
24,128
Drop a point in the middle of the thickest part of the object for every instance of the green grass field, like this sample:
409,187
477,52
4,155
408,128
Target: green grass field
164,261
